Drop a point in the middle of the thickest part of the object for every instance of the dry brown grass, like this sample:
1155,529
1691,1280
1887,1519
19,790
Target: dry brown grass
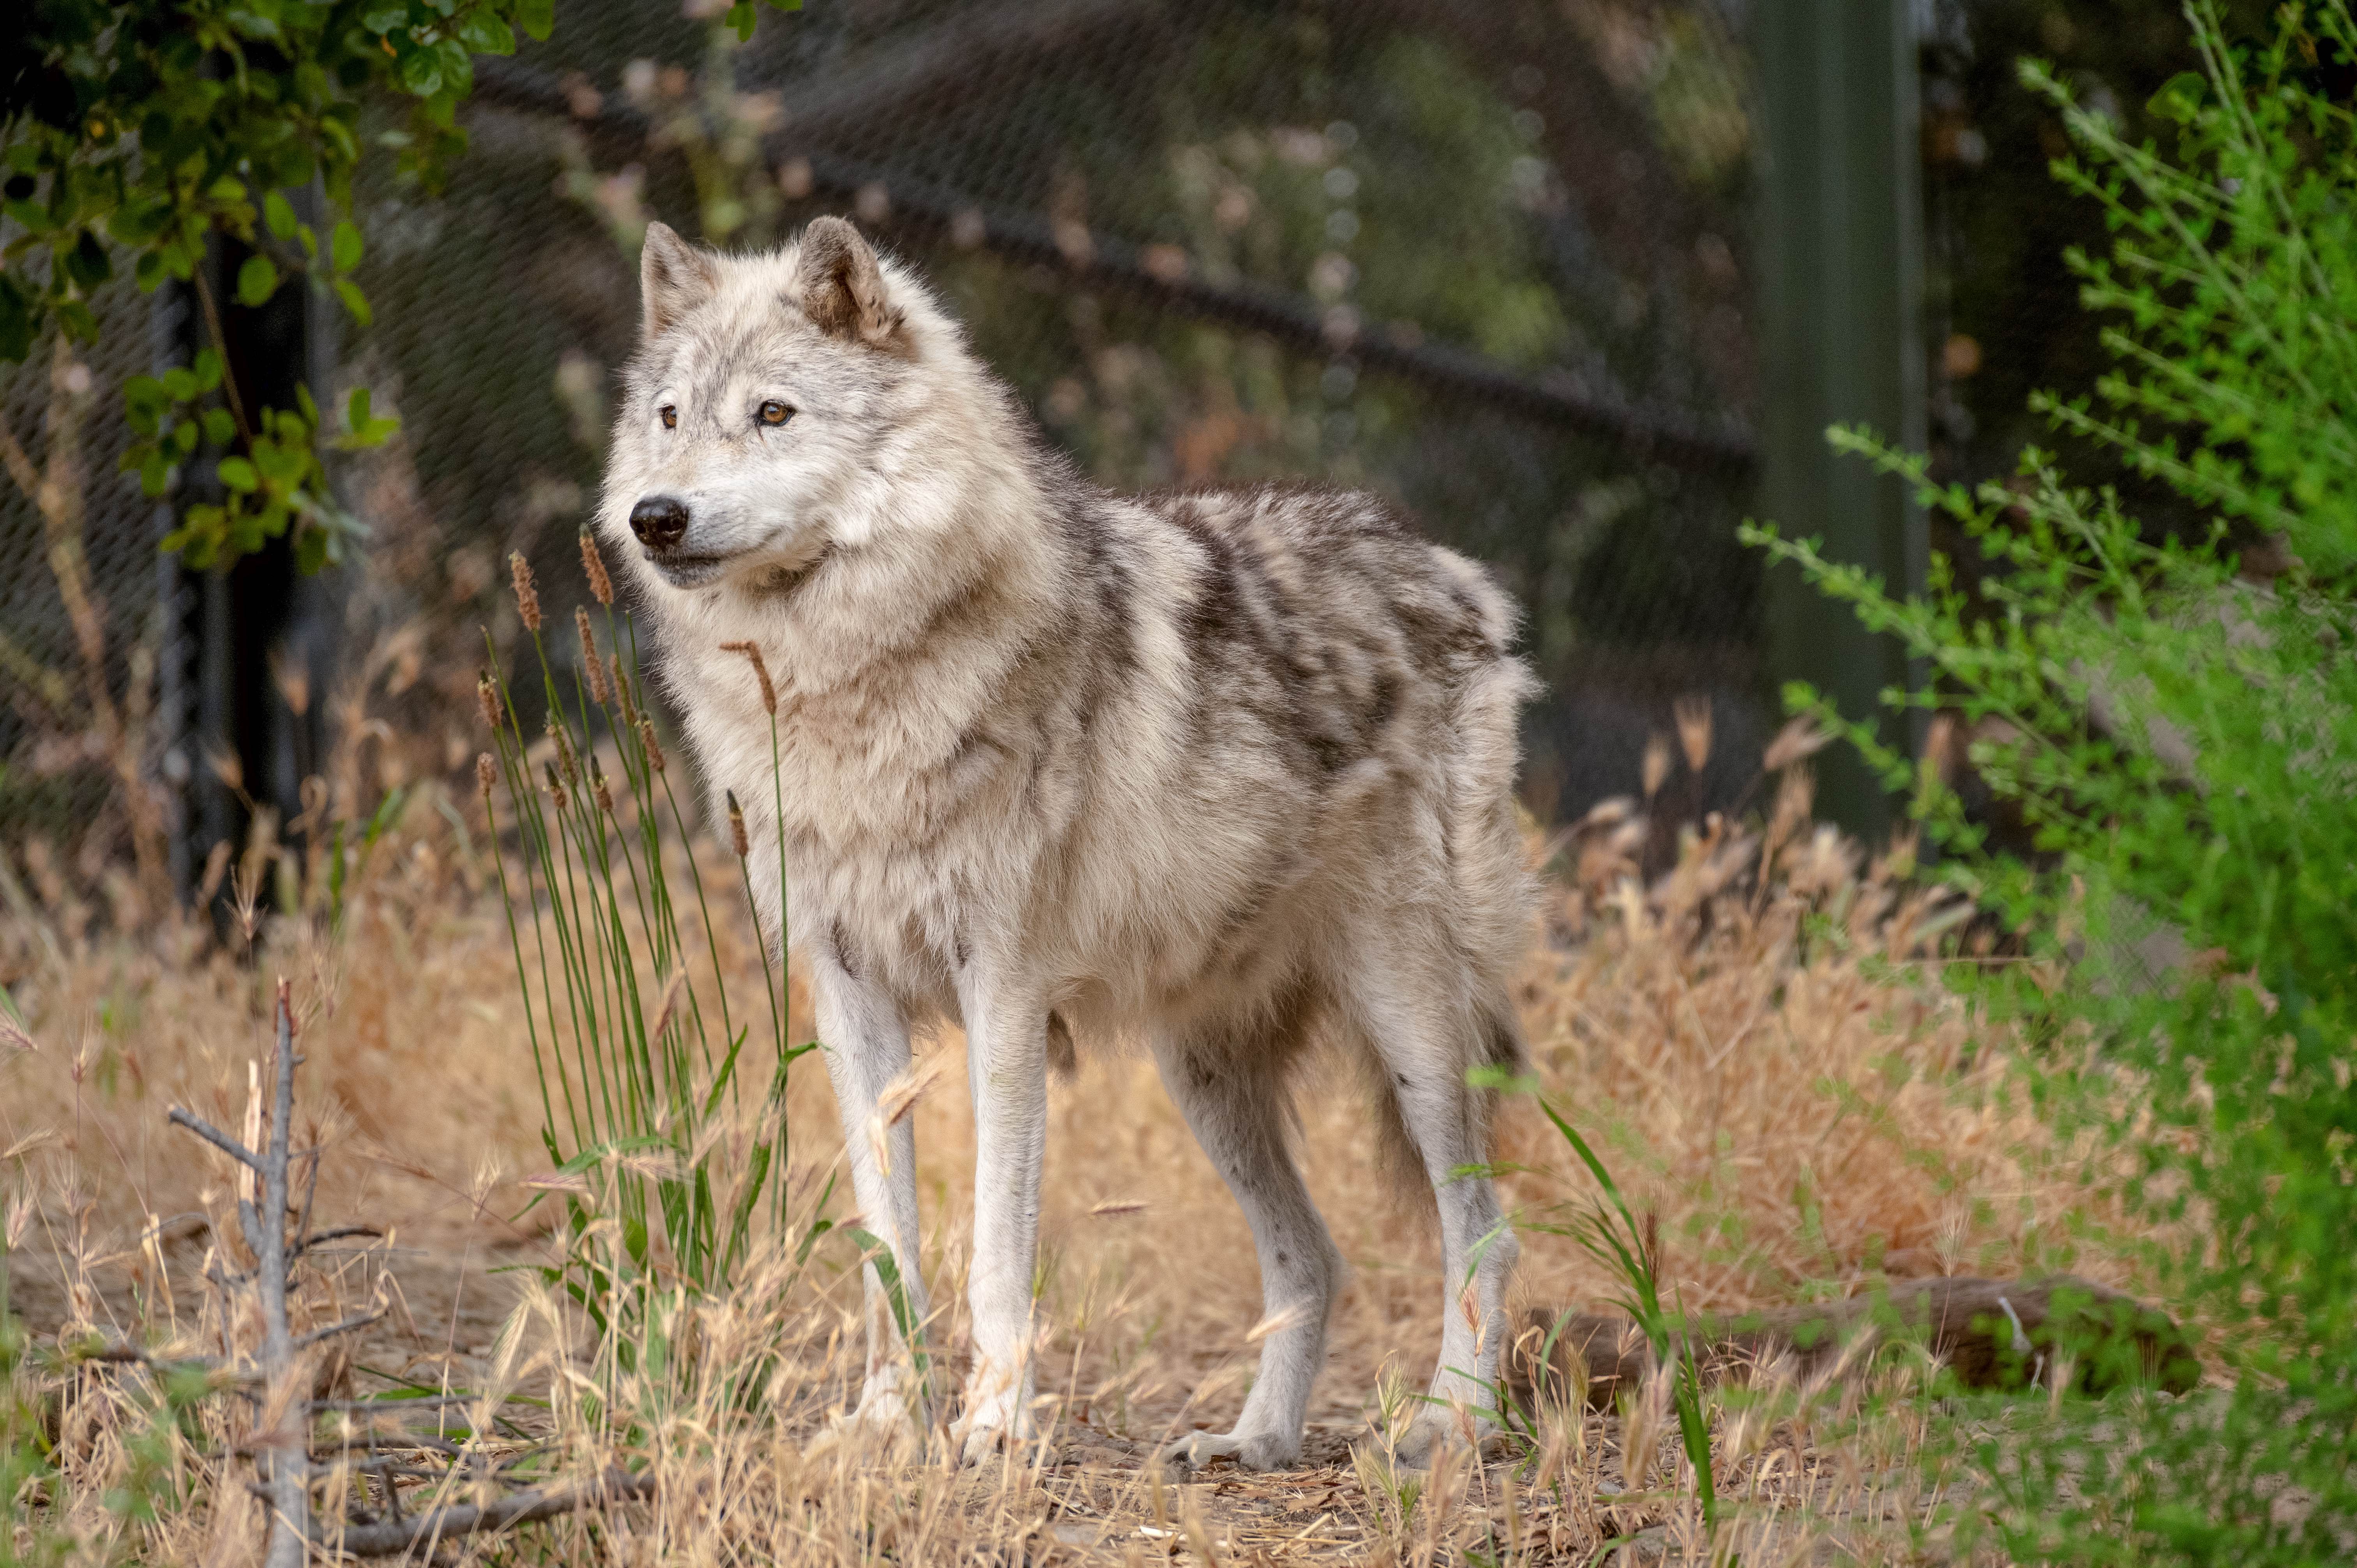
1785,1093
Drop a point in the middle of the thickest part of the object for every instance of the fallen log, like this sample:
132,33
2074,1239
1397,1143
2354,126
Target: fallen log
1989,1334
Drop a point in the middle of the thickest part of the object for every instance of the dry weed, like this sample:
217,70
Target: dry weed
1769,1063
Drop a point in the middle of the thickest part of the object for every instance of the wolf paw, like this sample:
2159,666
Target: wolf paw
987,1428
1250,1450
1431,1434
883,1414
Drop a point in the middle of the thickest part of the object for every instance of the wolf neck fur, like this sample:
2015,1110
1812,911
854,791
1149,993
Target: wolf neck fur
891,657
861,612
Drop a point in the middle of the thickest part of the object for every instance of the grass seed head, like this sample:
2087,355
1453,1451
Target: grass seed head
555,787
668,1014
601,587
589,665
486,770
1692,714
621,690
527,596
752,651
1641,1423
486,698
1799,738
1657,763
737,839
566,766
654,752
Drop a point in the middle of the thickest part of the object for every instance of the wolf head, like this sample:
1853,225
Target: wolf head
784,406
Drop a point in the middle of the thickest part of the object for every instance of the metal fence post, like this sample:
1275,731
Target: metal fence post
1842,342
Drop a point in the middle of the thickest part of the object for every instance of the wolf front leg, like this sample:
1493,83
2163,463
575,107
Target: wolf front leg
1006,1069
865,1042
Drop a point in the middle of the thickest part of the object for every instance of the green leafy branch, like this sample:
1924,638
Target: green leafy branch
143,132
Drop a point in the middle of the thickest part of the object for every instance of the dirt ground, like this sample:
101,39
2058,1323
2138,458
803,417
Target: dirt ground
1096,1487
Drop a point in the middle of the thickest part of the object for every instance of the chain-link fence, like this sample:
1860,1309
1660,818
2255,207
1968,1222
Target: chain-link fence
1489,256
1428,249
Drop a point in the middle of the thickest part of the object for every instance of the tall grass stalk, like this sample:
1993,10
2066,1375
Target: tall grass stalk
672,1172
1611,1236
1610,1233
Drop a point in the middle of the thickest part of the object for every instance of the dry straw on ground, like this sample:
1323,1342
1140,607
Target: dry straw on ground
1792,1102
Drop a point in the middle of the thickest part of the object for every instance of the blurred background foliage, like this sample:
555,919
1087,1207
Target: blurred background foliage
1494,259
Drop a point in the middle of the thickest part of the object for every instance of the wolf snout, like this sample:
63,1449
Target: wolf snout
660,521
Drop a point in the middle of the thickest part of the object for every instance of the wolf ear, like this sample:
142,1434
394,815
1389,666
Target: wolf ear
842,287
674,277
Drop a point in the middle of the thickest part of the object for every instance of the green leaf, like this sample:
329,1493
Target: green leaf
421,73
484,32
279,213
74,318
145,399
354,300
536,18
139,223
356,409
19,314
87,263
284,465
344,246
457,65
219,428
2180,98
238,475
313,547
257,280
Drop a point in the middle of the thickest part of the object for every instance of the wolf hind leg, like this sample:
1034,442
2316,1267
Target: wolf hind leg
1425,1023
1229,1082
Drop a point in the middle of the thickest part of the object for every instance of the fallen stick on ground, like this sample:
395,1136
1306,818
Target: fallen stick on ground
392,1537
285,1446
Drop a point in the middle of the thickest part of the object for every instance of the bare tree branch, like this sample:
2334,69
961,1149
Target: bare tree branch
347,1325
399,1536
215,1137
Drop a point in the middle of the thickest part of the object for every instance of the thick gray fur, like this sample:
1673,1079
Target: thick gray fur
1223,773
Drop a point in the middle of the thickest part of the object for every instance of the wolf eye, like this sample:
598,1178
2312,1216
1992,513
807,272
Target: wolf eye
670,417
775,413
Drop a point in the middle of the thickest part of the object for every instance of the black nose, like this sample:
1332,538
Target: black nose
660,521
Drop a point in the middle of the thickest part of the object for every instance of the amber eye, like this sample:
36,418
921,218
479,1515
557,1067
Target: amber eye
775,413
670,417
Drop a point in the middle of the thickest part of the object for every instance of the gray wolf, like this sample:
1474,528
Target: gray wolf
1221,774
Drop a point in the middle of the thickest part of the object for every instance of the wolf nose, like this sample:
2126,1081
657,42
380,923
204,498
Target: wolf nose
660,521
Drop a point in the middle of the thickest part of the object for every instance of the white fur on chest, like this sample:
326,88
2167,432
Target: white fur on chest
892,859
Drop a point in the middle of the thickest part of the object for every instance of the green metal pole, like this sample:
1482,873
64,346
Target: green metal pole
1842,342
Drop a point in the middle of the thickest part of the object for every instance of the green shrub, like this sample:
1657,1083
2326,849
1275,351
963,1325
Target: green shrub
2181,736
